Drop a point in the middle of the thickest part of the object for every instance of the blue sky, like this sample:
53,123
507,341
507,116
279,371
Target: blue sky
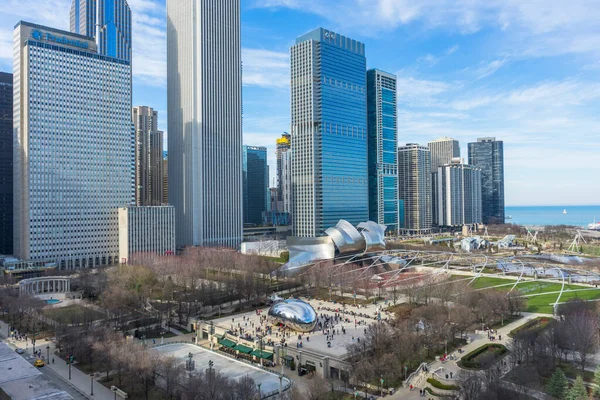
526,72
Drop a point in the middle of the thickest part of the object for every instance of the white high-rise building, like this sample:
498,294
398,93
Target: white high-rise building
72,147
204,79
457,188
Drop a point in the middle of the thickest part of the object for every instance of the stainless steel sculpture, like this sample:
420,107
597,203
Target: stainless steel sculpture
342,239
295,314
374,235
346,237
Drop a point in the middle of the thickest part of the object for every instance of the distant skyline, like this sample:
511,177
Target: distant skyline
527,73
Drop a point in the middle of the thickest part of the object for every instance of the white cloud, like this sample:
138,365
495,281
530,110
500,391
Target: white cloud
490,68
429,59
452,49
266,68
418,91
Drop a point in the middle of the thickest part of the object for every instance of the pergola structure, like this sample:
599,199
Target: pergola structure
45,285
396,268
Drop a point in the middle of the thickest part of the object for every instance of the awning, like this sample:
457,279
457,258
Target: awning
243,349
263,354
227,343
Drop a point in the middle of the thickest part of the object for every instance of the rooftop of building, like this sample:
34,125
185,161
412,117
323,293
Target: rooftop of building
443,139
20,380
333,38
49,28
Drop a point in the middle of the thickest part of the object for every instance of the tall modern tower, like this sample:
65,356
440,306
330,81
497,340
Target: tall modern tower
382,142
6,163
204,93
148,157
283,146
443,150
72,147
457,188
329,132
414,187
488,154
256,184
108,21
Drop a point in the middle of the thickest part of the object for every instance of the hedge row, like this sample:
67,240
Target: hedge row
468,360
439,385
536,324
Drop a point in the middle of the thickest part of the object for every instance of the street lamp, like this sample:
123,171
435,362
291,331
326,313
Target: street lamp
92,383
48,353
114,389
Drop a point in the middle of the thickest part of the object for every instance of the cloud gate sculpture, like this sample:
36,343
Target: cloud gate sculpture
295,314
342,239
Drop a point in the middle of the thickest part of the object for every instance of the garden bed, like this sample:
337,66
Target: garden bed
473,359
534,326
439,385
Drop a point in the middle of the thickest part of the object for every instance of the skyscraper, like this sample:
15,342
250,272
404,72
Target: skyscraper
382,142
414,187
457,188
256,184
108,21
329,132
204,93
165,178
443,150
6,163
286,183
488,154
283,146
72,147
148,157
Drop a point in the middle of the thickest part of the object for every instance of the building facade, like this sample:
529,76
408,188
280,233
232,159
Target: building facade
329,132
146,230
443,151
382,152
148,157
414,188
165,178
72,147
108,21
284,143
285,205
204,93
457,188
256,184
488,154
6,163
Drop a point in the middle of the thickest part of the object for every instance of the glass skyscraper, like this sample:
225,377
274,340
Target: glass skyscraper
6,163
457,190
148,157
329,132
72,147
382,148
256,183
109,21
488,154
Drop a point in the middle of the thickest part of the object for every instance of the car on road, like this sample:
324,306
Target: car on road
20,351
39,363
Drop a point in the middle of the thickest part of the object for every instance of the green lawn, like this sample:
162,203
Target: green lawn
541,303
73,314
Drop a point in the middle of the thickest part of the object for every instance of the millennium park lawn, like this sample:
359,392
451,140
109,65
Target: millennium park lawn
540,295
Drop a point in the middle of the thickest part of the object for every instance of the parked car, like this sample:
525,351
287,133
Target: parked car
20,351
39,363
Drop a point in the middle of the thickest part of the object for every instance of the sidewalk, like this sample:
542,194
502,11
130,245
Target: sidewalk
80,381
477,340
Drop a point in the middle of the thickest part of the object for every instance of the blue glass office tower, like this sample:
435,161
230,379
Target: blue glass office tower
6,163
329,132
255,183
382,153
488,154
109,21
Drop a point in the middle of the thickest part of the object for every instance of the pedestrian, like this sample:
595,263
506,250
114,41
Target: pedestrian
52,360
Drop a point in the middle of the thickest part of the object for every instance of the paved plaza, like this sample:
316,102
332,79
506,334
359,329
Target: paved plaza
352,320
232,369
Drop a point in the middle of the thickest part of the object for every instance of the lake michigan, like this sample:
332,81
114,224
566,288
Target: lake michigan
553,215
